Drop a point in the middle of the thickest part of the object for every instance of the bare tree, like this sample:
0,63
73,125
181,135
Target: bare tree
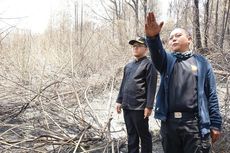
135,6
117,8
216,36
180,10
76,22
225,20
206,23
186,13
82,20
145,8
196,25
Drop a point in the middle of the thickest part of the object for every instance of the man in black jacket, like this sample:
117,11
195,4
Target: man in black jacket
136,97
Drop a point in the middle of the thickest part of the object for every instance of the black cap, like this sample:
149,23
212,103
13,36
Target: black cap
139,39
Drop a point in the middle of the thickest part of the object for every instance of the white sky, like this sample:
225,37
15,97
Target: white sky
36,13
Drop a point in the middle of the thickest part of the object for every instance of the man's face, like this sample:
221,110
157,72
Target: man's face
179,40
139,49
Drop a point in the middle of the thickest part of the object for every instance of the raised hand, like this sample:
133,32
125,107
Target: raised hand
152,28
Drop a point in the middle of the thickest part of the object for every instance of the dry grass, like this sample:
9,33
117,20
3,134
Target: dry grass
47,88
49,84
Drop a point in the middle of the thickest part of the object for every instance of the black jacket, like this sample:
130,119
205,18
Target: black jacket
138,85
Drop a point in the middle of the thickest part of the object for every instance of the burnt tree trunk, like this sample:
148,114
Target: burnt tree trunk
206,23
196,25
224,23
216,24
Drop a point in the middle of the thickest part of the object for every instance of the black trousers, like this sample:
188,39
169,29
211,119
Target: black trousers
183,136
137,129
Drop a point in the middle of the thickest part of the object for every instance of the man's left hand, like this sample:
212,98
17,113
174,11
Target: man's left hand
215,134
147,112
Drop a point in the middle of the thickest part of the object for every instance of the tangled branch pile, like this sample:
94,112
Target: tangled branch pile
55,114
220,62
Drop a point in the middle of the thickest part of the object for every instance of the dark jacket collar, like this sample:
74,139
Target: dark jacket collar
140,59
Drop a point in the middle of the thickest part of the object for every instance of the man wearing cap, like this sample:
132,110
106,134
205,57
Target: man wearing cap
187,102
136,97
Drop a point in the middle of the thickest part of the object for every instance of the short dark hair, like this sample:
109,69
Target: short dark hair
187,31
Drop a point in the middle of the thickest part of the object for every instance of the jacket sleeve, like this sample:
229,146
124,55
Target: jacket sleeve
210,90
158,54
120,94
151,81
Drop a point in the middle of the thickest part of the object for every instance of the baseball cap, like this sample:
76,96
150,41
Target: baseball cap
139,39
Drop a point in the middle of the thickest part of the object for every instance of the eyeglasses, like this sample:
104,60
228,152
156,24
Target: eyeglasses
138,45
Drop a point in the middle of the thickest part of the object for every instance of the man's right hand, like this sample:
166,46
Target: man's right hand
152,28
215,134
118,108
